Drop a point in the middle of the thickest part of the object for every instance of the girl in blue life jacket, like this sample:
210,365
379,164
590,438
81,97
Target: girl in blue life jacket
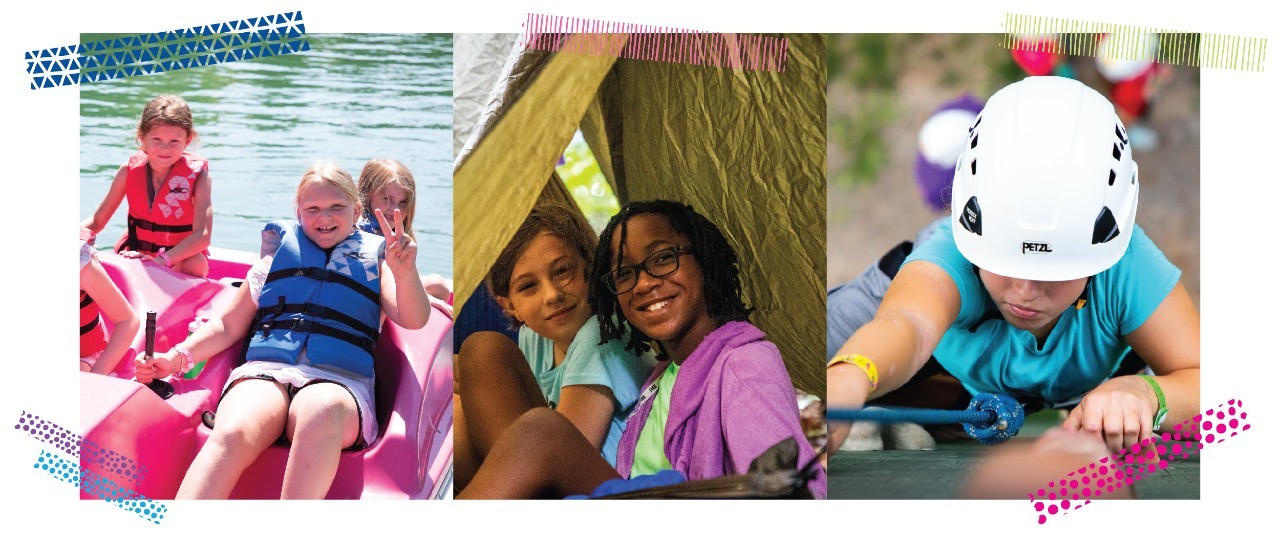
314,314
1041,282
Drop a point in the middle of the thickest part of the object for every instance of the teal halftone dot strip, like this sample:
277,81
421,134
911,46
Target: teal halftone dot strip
155,53
1135,42
142,506
58,468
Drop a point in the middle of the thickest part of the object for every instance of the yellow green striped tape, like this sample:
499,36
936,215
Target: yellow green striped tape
1133,42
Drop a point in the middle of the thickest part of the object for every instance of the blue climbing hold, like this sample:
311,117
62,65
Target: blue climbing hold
1009,417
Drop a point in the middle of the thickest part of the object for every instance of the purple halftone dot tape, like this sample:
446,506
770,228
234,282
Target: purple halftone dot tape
49,433
90,453
111,462
1128,466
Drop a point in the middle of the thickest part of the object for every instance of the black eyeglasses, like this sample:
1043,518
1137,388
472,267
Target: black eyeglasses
660,264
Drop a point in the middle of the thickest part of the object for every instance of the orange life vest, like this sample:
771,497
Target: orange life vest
164,222
93,337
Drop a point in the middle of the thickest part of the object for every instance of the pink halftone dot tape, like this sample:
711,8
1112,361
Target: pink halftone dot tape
1129,466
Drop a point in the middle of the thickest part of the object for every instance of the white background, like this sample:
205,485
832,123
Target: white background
40,133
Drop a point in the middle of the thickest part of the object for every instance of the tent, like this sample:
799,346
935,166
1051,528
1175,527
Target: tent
747,148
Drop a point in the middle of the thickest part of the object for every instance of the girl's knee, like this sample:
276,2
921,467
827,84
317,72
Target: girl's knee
327,408
487,349
196,265
540,424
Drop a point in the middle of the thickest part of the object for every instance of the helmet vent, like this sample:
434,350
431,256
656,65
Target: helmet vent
1112,179
971,217
974,143
1115,151
1105,227
1120,135
973,166
975,124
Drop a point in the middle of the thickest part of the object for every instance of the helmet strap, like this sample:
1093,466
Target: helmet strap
1084,294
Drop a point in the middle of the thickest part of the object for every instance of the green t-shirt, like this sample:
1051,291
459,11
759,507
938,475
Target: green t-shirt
650,456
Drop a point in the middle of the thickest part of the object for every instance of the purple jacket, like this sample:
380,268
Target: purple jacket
732,400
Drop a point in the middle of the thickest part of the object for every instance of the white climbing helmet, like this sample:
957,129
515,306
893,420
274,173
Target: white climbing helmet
1046,188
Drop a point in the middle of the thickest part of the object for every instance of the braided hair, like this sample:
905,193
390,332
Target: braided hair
721,287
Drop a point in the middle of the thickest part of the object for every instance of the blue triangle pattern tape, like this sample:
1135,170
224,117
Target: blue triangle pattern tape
248,38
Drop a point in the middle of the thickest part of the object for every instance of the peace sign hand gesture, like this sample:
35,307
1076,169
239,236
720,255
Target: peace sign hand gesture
401,252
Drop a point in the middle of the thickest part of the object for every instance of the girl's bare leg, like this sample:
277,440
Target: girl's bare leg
250,417
541,455
323,420
495,387
465,459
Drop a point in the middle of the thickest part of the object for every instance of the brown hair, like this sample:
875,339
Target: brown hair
376,176
564,223
166,110
331,173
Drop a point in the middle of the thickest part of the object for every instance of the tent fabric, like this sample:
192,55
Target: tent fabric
478,60
498,182
746,148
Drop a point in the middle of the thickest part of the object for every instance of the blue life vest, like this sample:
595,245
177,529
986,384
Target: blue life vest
320,309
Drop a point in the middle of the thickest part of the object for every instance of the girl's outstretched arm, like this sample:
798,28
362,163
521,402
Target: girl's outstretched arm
216,335
1122,409
95,282
921,303
109,204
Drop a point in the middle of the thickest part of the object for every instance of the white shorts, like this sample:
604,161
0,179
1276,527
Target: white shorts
295,377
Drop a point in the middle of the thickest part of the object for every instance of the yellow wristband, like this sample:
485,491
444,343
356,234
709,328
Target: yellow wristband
861,362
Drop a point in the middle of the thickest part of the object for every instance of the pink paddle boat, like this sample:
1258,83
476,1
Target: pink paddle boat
412,458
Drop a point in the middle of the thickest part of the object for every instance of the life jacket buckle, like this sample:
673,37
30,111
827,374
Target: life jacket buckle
300,325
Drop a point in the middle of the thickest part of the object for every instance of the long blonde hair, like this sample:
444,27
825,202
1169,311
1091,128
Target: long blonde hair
376,176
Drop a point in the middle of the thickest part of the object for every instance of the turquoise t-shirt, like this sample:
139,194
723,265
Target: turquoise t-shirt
1085,346
588,363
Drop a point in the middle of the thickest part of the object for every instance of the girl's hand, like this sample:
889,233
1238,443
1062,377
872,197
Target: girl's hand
847,388
159,366
134,254
1120,410
401,252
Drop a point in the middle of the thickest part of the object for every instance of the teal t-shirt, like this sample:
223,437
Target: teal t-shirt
1085,346
651,453
587,362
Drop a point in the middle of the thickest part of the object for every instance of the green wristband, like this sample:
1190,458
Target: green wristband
1163,410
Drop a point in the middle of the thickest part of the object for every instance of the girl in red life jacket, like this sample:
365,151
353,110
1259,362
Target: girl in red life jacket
388,185
99,296
170,214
